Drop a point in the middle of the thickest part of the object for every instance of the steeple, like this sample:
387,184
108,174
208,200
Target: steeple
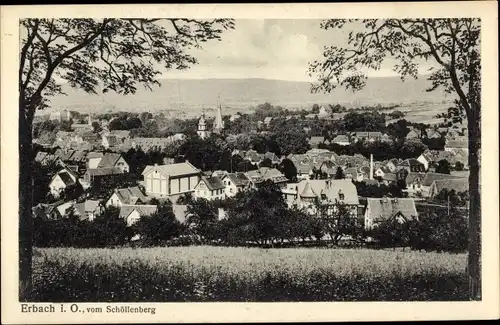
202,126
219,123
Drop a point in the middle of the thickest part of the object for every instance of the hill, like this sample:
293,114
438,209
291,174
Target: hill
189,95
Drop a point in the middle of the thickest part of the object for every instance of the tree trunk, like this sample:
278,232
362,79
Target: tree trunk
474,229
25,206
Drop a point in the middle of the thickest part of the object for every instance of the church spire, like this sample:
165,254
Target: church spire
219,123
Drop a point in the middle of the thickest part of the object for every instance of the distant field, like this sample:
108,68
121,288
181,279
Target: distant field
245,274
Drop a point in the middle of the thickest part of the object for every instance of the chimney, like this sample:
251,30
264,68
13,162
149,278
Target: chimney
156,165
371,166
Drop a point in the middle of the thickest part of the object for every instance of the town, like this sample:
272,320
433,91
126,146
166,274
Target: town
369,162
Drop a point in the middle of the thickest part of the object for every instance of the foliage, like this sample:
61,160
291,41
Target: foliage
204,274
443,167
287,167
106,230
202,220
339,173
158,227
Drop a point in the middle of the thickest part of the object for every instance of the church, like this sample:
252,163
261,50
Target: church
218,126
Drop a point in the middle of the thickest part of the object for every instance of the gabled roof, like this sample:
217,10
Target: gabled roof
238,179
457,144
431,177
332,189
144,210
413,178
94,154
131,195
386,208
213,183
66,178
173,170
410,162
340,138
459,185
389,177
103,171
316,140
109,160
89,206
121,133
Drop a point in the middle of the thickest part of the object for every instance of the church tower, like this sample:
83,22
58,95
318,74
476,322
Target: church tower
219,123
202,126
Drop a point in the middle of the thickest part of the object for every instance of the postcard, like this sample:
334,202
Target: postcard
249,162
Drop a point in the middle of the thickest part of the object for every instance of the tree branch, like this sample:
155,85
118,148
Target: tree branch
25,48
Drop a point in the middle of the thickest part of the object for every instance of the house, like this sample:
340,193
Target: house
458,185
456,145
414,183
133,213
234,183
129,195
113,160
314,142
210,188
257,177
413,134
272,156
341,140
172,180
430,178
147,144
354,174
307,193
63,180
267,121
433,134
121,135
254,157
385,209
109,141
412,165
366,136
52,211
305,169
381,171
93,159
88,209
329,168
389,178
393,165
235,117
432,157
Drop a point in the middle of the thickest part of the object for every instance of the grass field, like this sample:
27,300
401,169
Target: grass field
245,274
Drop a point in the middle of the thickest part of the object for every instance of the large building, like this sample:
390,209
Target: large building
308,193
218,127
171,181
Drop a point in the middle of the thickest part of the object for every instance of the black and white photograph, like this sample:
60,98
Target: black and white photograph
169,159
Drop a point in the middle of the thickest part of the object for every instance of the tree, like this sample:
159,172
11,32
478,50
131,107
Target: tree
160,226
443,167
315,109
91,54
287,167
337,220
96,128
266,163
202,218
453,46
339,174
292,141
459,166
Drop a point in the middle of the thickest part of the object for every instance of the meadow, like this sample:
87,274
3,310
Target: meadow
204,273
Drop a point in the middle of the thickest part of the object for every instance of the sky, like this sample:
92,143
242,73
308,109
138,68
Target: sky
270,49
